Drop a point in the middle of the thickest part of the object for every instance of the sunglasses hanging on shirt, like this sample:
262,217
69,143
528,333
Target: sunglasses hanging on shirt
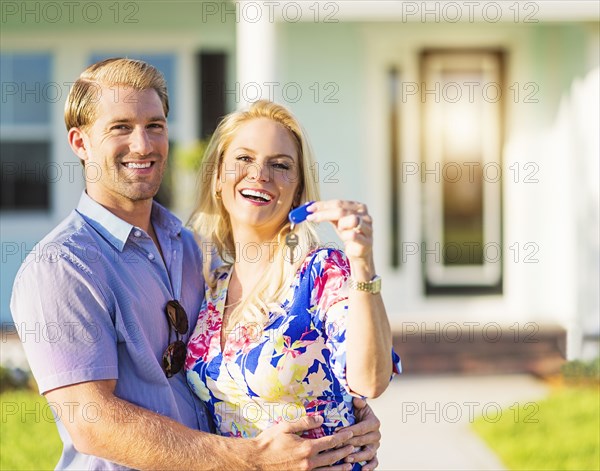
174,356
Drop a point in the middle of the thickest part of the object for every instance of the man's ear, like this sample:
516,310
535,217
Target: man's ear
79,142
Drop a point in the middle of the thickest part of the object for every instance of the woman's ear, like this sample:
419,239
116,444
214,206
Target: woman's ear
218,187
78,140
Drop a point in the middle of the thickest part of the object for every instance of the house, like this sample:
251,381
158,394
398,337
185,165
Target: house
470,129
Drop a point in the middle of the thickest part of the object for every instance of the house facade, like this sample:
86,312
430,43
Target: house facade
470,129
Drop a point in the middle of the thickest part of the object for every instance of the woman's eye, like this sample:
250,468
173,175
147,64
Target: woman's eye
243,158
281,166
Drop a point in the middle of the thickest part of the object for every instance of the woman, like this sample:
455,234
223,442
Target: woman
281,335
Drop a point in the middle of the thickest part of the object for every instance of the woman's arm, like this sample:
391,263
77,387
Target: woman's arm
368,333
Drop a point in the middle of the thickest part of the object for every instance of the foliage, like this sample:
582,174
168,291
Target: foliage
578,372
13,378
190,158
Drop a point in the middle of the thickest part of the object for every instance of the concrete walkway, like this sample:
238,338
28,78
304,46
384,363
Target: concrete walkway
425,421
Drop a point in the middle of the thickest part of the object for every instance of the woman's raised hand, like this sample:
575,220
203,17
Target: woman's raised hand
352,222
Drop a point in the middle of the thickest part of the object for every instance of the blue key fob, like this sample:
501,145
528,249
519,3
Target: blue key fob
299,214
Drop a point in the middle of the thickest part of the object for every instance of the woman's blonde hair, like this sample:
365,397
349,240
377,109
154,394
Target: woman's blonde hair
211,222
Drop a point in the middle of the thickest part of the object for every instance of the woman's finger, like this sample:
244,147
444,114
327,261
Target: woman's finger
370,438
365,453
332,204
371,465
350,222
334,210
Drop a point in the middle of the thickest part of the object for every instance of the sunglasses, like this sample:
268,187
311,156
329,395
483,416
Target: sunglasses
174,356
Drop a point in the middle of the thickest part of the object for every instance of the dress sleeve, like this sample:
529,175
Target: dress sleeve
64,323
329,303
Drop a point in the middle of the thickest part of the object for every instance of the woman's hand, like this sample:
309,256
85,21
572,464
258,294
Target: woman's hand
366,436
352,223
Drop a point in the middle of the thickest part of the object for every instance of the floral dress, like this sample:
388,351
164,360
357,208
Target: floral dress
292,366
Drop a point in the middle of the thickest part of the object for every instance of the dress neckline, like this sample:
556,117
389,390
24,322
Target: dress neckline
222,289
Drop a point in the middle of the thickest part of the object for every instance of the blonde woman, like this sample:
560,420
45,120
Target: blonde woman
282,335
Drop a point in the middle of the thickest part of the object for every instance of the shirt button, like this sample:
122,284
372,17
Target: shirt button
151,256
137,233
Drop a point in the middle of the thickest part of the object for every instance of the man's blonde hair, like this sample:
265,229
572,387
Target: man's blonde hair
81,105
211,222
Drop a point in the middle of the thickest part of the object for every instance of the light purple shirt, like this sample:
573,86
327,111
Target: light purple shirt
89,304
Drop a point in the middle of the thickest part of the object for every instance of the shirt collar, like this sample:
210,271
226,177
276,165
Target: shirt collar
114,229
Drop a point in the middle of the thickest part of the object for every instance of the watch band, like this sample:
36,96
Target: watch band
373,286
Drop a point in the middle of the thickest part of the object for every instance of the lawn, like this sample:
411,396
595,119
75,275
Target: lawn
28,436
561,432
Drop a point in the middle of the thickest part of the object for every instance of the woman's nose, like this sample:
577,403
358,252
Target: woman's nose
259,172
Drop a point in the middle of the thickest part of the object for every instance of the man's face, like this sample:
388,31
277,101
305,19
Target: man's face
126,148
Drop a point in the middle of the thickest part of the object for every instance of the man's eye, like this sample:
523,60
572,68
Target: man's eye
156,126
119,127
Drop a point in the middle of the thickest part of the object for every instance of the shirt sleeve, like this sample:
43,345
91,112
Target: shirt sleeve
329,300
64,323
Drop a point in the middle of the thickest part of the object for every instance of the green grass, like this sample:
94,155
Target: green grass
28,436
561,432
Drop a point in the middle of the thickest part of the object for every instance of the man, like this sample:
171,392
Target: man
123,280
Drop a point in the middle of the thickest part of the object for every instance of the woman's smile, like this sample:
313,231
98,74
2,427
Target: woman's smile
257,197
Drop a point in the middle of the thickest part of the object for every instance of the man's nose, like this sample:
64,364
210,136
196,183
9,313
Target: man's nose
140,142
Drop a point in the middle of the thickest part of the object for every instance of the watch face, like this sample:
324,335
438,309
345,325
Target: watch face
376,285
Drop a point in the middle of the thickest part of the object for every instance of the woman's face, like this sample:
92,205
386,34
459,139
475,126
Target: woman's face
259,176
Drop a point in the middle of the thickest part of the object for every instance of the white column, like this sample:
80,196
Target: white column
69,62
255,53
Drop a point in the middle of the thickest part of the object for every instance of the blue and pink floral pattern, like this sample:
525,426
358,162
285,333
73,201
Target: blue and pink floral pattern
292,366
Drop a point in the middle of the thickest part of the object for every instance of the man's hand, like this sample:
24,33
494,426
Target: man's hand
366,435
279,447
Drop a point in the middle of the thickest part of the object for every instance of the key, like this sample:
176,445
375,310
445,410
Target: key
296,216
291,240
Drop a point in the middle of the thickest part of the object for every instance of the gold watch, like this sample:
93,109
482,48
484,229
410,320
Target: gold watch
373,286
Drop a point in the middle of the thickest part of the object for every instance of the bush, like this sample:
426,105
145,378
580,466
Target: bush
581,372
14,378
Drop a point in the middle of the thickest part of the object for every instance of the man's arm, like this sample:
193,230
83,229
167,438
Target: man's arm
138,438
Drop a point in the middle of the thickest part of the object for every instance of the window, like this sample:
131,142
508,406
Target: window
461,170
212,75
27,96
